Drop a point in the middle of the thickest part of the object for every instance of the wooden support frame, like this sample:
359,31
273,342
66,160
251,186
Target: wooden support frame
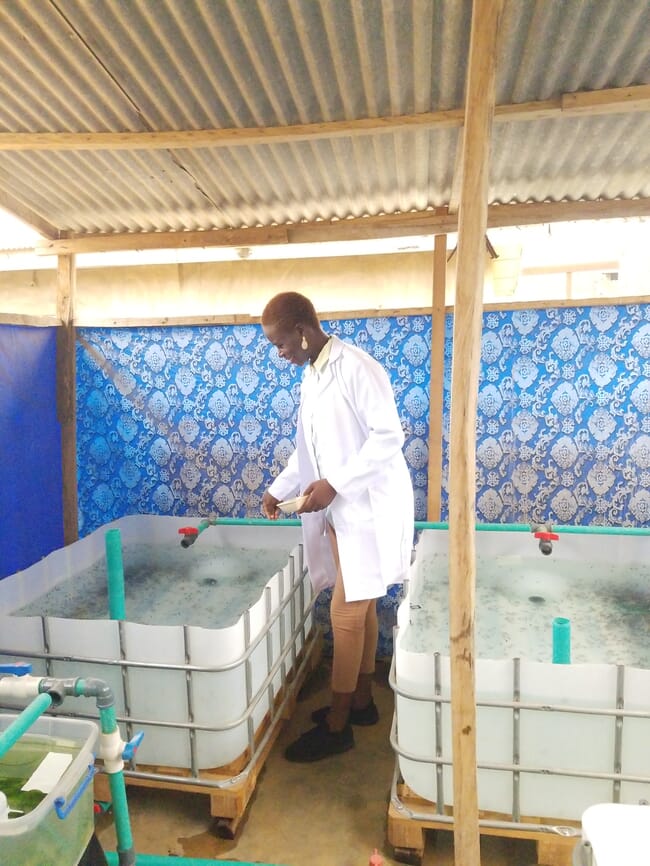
472,226
436,382
66,394
406,833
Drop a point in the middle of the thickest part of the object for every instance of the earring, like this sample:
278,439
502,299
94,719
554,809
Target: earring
304,345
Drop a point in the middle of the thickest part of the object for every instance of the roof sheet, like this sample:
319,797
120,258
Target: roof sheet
147,65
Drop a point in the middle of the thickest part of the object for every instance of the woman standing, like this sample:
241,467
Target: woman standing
358,515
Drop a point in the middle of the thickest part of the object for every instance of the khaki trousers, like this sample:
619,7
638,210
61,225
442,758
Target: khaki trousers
355,629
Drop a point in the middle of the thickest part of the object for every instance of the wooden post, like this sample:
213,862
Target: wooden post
436,383
66,400
472,225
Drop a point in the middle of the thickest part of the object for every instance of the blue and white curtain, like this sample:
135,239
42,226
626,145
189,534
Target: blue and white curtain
197,421
564,416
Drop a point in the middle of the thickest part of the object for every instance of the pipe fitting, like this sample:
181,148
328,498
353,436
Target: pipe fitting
98,689
56,689
111,748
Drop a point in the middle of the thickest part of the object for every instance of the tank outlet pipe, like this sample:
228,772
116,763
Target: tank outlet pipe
191,533
24,721
115,574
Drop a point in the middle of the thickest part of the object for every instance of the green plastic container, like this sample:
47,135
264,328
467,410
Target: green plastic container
40,837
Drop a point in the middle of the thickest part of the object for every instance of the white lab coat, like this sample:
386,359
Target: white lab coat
360,441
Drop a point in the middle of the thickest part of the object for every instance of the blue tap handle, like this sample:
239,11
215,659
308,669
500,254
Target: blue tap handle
17,668
132,746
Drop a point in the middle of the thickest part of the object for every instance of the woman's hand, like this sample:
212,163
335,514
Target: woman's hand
320,493
269,506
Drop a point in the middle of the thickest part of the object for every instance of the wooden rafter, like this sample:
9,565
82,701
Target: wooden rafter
361,228
612,101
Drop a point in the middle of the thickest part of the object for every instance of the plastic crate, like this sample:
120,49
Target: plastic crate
53,833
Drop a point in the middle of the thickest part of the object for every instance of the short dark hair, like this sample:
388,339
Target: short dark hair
288,309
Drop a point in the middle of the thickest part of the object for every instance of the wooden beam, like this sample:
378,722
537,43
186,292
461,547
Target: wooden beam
539,270
616,100
27,319
66,286
164,240
620,100
436,381
536,213
359,228
464,397
66,394
457,177
211,138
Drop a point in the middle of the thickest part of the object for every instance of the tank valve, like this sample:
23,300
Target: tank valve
190,534
131,747
543,531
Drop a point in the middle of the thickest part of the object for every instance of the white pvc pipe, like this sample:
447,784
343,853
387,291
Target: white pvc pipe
19,688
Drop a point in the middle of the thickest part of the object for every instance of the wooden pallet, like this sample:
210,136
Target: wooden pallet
228,804
406,833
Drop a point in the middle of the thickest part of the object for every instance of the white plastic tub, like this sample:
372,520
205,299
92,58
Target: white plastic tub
552,739
42,836
200,694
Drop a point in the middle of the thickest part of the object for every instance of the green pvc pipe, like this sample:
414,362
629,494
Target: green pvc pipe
561,641
161,860
22,722
107,719
247,521
108,724
115,572
426,524
560,530
121,813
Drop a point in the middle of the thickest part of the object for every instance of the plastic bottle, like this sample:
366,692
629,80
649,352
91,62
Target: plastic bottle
376,859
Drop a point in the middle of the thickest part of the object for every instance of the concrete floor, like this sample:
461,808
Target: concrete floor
330,813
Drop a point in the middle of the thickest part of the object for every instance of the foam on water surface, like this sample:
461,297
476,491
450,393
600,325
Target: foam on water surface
168,585
517,599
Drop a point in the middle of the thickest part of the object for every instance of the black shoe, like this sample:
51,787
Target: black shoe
319,743
365,717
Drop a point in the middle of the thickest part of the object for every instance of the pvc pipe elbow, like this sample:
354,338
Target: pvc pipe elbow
96,688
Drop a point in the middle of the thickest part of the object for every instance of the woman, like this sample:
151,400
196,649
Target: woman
358,514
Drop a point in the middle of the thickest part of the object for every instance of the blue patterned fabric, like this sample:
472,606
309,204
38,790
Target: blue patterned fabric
197,421
563,427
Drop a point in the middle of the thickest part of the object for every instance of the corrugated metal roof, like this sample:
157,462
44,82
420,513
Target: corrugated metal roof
147,65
